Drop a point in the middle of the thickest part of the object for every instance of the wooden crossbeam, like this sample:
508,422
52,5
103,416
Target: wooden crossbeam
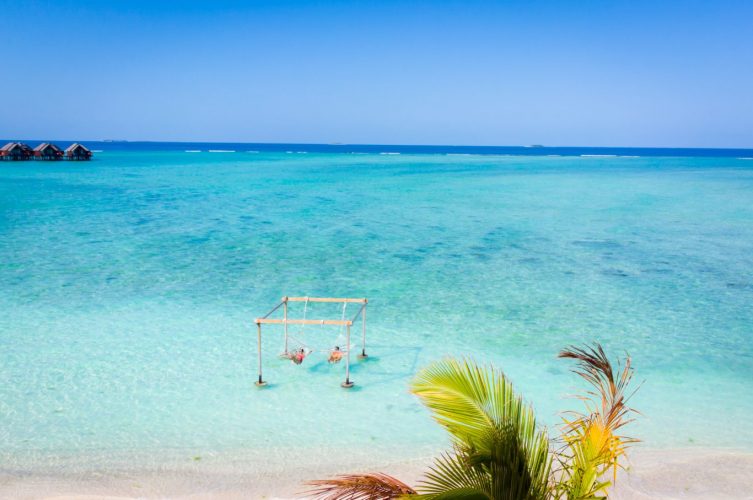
323,299
275,321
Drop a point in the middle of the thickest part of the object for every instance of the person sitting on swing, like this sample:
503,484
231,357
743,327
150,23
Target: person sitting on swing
297,356
335,355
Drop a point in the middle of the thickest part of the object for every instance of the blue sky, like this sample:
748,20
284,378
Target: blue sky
588,73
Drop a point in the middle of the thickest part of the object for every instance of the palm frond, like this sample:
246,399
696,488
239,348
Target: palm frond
468,400
451,476
494,431
594,444
594,367
359,487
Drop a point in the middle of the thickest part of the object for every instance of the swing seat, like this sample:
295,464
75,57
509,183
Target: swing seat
296,357
335,356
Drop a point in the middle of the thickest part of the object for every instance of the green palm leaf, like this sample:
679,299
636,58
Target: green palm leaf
451,477
493,430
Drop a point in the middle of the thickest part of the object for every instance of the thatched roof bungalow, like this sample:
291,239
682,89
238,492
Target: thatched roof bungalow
16,151
78,152
48,151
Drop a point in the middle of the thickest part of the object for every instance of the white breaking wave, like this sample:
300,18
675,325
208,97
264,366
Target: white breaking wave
193,151
745,158
598,156
222,151
386,153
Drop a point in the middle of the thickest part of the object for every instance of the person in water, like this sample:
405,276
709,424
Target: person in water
297,356
335,355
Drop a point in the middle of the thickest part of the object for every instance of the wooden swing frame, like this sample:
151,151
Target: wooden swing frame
285,321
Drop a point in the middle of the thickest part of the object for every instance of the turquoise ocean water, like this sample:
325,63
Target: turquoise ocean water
128,288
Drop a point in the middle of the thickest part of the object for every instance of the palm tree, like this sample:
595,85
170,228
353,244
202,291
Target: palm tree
593,444
498,451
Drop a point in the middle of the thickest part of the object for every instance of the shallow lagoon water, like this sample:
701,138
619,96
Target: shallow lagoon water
128,288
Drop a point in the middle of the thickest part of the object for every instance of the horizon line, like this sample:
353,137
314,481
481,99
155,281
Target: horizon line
357,144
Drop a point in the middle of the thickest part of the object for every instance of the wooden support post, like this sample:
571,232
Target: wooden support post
363,339
260,382
347,384
285,312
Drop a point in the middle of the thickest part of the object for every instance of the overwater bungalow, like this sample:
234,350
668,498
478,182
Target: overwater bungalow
27,151
48,151
78,152
16,151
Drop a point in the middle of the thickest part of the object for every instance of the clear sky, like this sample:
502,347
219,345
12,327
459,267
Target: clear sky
579,73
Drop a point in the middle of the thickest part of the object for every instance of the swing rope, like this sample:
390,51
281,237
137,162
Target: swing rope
341,334
300,343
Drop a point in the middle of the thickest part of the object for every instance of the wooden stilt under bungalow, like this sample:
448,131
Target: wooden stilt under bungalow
78,152
48,151
16,151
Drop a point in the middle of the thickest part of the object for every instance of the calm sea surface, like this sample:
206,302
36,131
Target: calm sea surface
129,284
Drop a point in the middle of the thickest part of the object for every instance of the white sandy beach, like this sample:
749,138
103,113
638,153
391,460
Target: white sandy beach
653,474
